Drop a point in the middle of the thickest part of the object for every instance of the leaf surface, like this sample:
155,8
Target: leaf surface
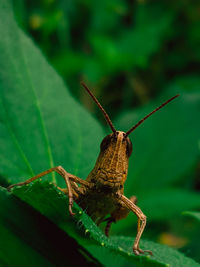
41,125
29,239
49,201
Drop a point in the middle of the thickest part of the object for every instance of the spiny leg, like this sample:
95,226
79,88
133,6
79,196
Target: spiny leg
141,223
75,189
118,214
67,177
110,220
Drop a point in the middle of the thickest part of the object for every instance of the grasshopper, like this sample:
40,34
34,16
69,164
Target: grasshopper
102,193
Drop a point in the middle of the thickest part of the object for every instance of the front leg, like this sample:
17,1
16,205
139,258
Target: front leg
119,213
141,223
67,177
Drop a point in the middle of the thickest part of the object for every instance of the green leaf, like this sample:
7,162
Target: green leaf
157,205
165,147
41,125
48,200
193,214
164,204
29,239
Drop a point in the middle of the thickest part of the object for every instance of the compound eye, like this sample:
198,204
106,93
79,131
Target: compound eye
105,142
129,147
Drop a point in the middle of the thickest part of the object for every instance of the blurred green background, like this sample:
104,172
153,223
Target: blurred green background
134,55
126,51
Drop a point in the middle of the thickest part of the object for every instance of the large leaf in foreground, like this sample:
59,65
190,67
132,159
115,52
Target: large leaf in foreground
30,239
41,125
50,202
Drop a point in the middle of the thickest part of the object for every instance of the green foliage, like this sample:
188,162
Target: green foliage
163,136
193,214
38,114
42,126
50,202
157,162
134,46
23,243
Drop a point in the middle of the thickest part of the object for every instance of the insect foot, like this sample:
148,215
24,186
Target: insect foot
70,207
138,251
13,185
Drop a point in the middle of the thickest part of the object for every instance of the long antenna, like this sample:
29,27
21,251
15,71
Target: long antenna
100,107
142,120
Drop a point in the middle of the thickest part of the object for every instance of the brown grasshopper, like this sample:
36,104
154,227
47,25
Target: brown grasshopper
102,193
